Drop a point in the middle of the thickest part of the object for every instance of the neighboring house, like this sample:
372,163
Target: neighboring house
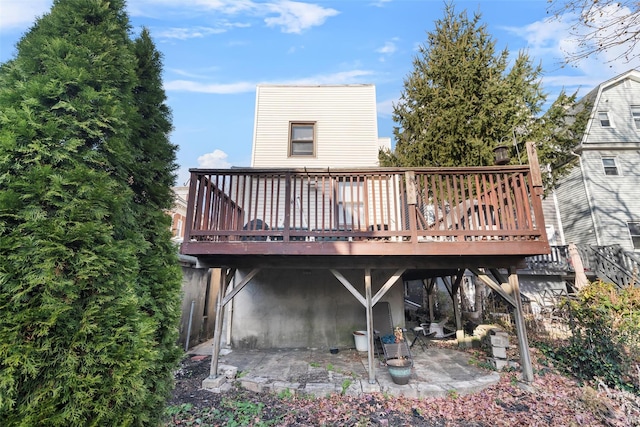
599,201
179,213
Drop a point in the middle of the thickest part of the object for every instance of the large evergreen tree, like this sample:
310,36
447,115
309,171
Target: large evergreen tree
461,101
151,176
82,331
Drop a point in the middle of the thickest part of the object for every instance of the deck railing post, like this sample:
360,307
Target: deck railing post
287,206
410,182
538,190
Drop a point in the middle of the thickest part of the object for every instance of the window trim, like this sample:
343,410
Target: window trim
635,116
607,123
613,168
633,237
292,125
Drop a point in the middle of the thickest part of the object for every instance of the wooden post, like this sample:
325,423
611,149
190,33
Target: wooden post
369,307
410,179
217,336
523,341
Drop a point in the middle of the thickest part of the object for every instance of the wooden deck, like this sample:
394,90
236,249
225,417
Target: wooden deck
430,217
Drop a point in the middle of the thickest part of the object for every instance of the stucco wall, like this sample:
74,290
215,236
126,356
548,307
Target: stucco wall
305,309
194,288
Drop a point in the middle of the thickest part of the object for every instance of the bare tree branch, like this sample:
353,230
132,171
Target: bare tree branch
611,27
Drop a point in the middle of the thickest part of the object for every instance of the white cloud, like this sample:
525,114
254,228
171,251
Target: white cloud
214,160
191,86
295,17
385,108
187,33
291,16
549,41
388,48
343,77
19,14
380,3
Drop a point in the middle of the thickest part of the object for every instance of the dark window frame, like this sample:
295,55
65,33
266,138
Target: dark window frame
610,169
634,233
298,147
605,120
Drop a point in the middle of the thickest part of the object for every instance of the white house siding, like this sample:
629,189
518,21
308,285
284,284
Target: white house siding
345,120
596,207
617,196
616,100
574,209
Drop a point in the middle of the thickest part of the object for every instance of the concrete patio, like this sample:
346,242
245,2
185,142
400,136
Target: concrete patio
437,372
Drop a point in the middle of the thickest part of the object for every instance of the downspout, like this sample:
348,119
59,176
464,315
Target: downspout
229,314
558,217
588,194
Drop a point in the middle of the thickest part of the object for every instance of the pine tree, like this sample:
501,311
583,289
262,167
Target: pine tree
461,101
79,334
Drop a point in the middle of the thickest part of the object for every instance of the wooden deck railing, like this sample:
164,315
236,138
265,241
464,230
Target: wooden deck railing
498,203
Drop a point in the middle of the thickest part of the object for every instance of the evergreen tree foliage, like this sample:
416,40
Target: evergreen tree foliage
152,175
461,101
82,331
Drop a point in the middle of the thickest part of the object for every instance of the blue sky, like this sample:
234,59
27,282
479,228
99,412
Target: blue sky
217,51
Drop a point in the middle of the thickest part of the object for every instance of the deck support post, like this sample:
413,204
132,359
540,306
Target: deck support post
521,328
368,301
217,335
222,300
369,309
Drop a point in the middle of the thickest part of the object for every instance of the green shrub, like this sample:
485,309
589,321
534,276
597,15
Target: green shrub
605,336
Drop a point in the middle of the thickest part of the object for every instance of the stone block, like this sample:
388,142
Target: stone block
284,386
369,388
499,352
228,371
498,364
213,383
256,384
500,340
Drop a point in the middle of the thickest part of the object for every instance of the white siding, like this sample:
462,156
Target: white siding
617,196
596,207
616,100
345,124
574,209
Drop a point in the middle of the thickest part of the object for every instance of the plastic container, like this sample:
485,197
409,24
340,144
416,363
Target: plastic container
362,340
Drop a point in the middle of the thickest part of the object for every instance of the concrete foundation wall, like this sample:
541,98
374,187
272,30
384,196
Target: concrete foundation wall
305,309
197,288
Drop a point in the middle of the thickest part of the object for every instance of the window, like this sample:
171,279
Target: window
603,116
634,230
350,204
635,115
610,167
302,139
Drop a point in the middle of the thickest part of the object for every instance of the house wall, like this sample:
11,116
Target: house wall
201,288
574,208
346,125
305,308
617,197
596,207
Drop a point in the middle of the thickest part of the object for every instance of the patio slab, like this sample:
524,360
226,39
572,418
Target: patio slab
436,373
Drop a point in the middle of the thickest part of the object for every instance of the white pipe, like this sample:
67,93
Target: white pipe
588,194
186,342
